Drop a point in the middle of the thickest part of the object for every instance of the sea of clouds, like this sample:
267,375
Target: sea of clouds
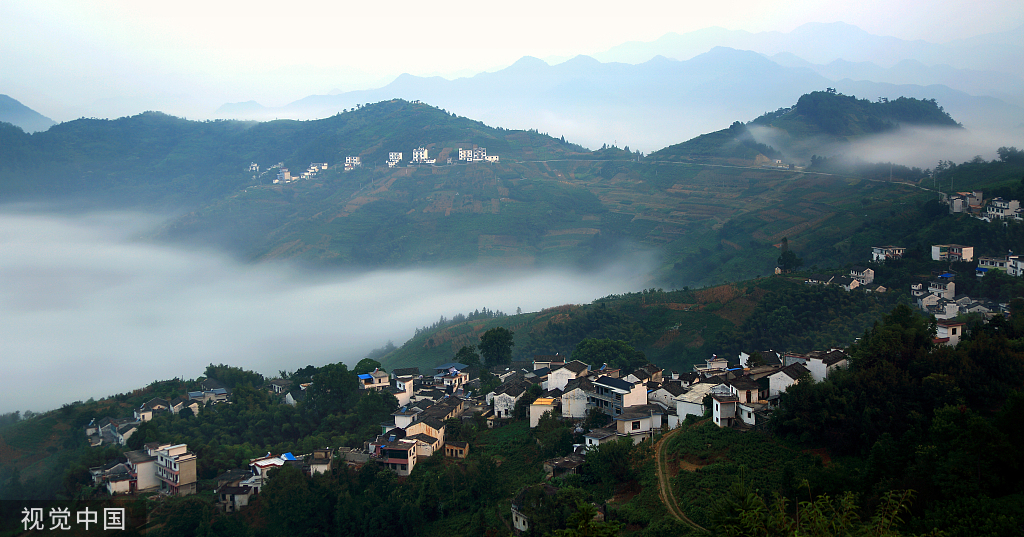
89,309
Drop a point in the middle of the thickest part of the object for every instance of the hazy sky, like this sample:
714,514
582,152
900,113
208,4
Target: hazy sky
62,57
87,310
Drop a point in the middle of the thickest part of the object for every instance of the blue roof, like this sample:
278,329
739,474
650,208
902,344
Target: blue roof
365,376
946,275
288,456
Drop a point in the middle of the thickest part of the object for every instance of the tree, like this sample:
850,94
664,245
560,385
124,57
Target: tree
496,346
467,355
615,353
582,524
788,261
366,365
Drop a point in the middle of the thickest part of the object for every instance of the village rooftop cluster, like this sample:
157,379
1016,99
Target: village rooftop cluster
420,156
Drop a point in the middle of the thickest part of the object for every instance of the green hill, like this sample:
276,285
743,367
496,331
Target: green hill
817,122
545,202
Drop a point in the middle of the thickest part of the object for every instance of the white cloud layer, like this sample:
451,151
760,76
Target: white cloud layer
87,310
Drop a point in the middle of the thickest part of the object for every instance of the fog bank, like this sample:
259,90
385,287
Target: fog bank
88,310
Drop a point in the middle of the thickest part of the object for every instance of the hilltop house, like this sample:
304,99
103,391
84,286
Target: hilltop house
881,253
863,275
176,468
949,332
1000,208
374,380
952,252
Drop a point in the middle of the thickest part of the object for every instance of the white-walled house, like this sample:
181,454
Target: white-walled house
560,377
539,407
576,398
949,332
723,411
820,364
691,402
952,252
638,423
782,379
504,398
881,253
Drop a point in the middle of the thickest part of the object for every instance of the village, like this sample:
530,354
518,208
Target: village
637,405
420,156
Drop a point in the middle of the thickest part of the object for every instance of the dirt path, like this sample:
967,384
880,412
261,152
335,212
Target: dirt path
665,487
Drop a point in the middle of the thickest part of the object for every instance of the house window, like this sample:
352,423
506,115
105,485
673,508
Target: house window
636,425
403,467
954,331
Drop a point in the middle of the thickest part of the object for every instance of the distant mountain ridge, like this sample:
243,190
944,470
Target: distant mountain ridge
822,43
646,106
19,115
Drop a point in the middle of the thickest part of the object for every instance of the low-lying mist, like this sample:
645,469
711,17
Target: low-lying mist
922,147
88,310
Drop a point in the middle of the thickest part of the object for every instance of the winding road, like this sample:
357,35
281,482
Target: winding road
665,487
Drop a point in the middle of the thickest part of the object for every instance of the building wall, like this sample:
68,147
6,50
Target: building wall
504,404
536,411
685,408
146,476
574,404
778,383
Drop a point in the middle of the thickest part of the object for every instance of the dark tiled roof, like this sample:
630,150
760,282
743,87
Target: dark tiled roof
462,445
614,383
423,437
743,383
514,388
406,371
576,366
601,433
673,388
795,371
582,383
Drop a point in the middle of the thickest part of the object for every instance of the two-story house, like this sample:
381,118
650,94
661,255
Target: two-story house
952,252
374,380
949,332
176,469
639,422
1000,208
881,253
863,275
612,395
560,376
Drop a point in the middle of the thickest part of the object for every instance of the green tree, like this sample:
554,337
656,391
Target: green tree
616,353
366,365
789,262
582,524
467,355
496,346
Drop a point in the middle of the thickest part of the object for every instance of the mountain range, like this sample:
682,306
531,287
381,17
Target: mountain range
645,106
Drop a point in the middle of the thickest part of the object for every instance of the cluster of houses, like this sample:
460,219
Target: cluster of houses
420,155
118,430
285,176
165,468
973,203
858,278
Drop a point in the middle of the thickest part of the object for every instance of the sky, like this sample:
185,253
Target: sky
87,309
71,58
